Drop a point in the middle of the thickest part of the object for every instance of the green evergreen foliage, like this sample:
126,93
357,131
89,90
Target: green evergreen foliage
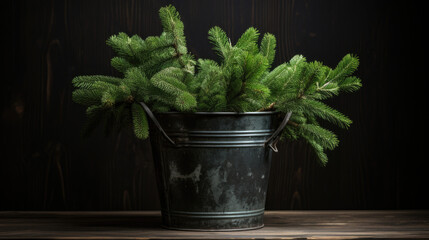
268,46
160,72
140,123
243,81
154,71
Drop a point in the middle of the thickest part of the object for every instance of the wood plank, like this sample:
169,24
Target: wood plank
278,225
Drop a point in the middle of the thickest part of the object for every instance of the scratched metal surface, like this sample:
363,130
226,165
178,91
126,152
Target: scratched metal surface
216,173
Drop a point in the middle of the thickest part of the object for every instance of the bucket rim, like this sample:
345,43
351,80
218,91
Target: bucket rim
220,113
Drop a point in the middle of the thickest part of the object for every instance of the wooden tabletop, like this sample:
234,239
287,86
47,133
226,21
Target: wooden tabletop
278,225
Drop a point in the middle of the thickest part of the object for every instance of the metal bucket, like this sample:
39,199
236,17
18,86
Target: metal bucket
212,168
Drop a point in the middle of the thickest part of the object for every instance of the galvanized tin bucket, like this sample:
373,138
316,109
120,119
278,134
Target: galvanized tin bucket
212,168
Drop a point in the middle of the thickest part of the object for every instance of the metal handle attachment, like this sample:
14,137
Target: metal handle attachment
150,114
272,141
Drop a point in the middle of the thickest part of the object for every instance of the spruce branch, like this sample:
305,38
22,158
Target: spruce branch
293,123
161,72
248,41
268,45
268,108
345,68
220,41
141,125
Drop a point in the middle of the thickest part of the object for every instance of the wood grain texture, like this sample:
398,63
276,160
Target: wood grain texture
46,165
278,225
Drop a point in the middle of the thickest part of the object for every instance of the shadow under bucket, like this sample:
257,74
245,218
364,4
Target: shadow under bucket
212,168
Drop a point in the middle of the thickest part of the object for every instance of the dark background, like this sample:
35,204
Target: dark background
45,164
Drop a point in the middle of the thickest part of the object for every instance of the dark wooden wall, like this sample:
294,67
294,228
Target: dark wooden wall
45,164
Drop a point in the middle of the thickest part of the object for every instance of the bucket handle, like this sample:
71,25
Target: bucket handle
150,114
272,141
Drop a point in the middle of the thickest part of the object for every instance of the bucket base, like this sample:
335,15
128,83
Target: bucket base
218,221
213,230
